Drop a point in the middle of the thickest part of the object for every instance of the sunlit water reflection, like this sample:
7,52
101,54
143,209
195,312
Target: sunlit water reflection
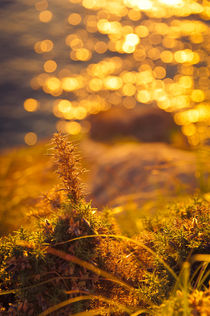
64,60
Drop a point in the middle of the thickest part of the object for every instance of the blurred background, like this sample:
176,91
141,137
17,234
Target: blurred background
104,67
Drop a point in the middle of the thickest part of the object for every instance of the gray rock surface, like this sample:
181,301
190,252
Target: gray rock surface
138,172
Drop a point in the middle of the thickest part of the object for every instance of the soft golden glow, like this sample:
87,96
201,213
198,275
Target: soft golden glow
128,89
141,5
31,105
189,130
45,16
46,46
132,39
30,139
64,106
89,4
173,3
159,72
91,23
129,102
142,31
129,45
204,111
82,54
184,56
74,19
95,84
128,77
104,26
143,96
100,47
75,1
43,46
154,53
80,113
53,85
166,56
134,15
41,5
71,83
197,95
144,77
42,78
186,82
73,128
112,83
50,66
125,53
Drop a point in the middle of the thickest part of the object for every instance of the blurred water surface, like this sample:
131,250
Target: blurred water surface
64,60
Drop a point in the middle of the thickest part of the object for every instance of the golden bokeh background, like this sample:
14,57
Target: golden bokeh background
126,53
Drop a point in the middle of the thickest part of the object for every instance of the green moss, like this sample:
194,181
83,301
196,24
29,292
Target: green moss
157,270
42,279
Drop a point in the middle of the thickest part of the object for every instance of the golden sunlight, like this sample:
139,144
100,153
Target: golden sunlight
31,105
45,16
127,53
143,5
30,139
172,2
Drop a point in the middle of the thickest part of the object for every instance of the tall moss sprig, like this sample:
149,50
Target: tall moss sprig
68,167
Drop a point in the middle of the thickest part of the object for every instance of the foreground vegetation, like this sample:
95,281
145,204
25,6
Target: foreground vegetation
74,259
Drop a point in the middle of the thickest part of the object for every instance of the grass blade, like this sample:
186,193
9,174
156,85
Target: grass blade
27,287
88,266
196,272
128,240
185,276
94,269
92,312
139,312
83,298
200,257
85,264
201,278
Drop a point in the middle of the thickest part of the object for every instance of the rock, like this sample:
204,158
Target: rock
138,172
145,123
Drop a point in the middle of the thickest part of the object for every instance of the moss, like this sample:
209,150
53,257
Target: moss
52,262
43,279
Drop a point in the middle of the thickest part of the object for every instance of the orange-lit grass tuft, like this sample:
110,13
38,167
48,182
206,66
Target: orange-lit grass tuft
134,241
74,260
88,266
68,167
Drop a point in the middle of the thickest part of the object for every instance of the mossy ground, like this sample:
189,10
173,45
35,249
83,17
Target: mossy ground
33,279
52,268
